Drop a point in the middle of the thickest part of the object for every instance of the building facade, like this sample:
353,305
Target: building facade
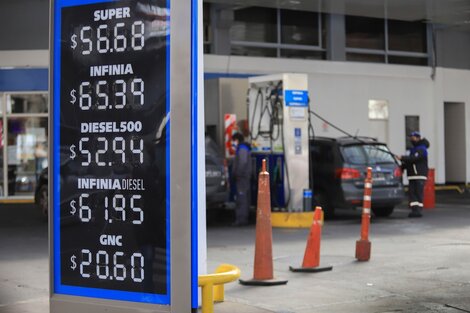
379,74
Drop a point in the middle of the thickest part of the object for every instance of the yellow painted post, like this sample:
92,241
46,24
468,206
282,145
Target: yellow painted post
207,298
219,293
212,285
219,290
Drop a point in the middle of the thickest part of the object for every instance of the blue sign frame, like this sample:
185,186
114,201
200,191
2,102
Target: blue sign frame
194,152
58,287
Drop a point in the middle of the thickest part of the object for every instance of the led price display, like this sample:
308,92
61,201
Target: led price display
110,161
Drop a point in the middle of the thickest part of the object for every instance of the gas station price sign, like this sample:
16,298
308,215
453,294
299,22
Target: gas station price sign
110,150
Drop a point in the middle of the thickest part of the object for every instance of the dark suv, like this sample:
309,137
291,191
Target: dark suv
339,167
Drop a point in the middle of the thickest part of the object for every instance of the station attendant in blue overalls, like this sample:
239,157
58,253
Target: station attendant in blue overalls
416,165
241,171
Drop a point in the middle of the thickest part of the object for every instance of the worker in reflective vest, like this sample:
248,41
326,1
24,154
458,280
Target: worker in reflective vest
241,171
416,166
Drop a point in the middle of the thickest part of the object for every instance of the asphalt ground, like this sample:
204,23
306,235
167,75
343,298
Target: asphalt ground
417,265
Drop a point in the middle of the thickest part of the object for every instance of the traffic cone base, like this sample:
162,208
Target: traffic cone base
363,245
363,250
310,269
263,282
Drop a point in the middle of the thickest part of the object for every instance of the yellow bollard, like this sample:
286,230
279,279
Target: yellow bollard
212,285
207,298
219,290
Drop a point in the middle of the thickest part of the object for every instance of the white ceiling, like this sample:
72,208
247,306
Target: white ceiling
447,13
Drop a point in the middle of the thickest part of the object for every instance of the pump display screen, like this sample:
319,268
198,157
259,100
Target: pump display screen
110,168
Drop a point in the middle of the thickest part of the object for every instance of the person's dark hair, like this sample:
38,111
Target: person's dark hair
238,136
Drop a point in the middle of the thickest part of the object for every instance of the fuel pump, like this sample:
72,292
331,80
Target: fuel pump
278,121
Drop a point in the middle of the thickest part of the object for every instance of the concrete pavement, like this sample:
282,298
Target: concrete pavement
417,265
24,266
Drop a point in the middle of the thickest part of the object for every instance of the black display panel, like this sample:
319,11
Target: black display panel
110,162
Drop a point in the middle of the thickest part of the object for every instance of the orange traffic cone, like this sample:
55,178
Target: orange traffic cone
263,267
311,261
363,245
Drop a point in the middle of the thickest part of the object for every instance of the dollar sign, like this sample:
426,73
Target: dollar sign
72,205
72,150
74,264
74,42
72,94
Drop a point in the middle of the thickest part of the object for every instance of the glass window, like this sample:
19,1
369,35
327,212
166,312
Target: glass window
267,32
299,28
354,155
303,54
206,22
27,103
378,109
407,36
367,154
378,154
365,33
27,153
254,51
393,59
364,57
211,147
411,125
254,24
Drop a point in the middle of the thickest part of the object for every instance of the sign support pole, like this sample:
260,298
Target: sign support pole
180,149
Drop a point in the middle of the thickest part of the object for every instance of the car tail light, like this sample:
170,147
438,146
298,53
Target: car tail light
347,173
397,172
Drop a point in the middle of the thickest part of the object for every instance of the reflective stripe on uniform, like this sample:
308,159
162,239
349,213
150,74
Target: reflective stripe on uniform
417,177
416,203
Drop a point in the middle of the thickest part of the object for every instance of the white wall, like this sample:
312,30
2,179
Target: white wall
24,58
340,92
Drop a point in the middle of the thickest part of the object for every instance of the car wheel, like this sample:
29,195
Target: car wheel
321,200
383,211
43,201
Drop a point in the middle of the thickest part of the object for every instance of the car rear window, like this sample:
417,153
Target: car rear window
367,154
379,154
354,155
211,148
